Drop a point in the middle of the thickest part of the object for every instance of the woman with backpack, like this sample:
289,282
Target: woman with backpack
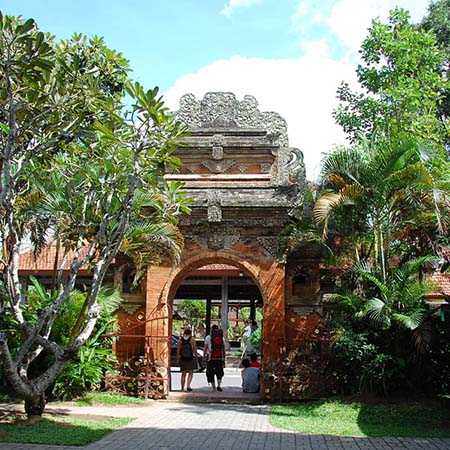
215,354
186,353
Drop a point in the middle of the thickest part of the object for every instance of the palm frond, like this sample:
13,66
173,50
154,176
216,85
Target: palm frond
377,312
410,321
366,274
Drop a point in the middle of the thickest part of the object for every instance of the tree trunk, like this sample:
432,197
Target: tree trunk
34,406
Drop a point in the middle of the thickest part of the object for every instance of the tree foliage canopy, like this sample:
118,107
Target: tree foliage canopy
78,166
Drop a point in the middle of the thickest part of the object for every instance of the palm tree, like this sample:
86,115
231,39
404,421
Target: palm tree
377,188
397,301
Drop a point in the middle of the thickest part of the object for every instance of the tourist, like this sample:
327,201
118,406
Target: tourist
246,344
254,361
186,354
214,352
250,377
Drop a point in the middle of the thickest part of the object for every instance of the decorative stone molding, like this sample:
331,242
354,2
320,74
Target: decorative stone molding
218,166
223,110
296,167
217,238
265,167
217,143
269,245
219,241
214,209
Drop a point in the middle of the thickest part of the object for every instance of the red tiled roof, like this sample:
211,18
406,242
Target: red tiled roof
45,260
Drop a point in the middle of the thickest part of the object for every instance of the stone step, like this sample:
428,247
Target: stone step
232,361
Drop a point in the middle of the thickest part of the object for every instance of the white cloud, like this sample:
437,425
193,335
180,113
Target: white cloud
231,5
348,20
302,90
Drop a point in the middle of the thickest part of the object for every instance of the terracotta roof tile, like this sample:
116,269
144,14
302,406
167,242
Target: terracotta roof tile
45,260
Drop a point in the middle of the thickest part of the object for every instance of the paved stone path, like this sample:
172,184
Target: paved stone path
173,426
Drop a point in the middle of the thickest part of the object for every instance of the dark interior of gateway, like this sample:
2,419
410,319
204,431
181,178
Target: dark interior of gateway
224,295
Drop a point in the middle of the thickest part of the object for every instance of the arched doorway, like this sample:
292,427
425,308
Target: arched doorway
268,275
225,295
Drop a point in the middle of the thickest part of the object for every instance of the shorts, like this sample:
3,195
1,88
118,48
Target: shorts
187,364
214,368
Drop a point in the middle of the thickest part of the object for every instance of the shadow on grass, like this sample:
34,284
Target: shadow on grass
69,430
418,419
352,418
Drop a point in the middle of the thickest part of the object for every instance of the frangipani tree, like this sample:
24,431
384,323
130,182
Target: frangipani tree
75,163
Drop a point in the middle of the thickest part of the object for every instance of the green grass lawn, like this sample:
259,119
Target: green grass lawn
108,399
60,430
341,418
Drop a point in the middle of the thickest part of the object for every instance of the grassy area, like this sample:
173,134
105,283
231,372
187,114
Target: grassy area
60,430
341,418
108,398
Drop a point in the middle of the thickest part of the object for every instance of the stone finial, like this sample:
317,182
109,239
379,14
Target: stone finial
224,110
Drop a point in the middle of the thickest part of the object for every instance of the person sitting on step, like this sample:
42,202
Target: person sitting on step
250,377
254,361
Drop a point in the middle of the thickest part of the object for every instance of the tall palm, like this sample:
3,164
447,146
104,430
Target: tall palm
399,300
380,186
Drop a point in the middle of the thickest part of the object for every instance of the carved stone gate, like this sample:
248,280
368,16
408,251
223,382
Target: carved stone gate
245,182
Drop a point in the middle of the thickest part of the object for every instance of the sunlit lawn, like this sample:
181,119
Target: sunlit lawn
58,430
338,417
108,399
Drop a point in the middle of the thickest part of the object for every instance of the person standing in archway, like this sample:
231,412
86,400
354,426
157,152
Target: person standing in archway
186,353
215,353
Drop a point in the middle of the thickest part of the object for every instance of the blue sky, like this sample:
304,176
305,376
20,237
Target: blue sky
165,39
290,54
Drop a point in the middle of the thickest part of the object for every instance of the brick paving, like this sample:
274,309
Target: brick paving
171,426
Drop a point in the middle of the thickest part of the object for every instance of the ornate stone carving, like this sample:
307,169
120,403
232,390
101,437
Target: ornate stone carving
214,214
270,245
218,140
217,153
219,166
216,241
217,143
220,241
215,237
214,209
290,169
265,167
223,110
192,168
296,167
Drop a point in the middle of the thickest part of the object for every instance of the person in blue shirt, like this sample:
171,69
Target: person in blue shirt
250,377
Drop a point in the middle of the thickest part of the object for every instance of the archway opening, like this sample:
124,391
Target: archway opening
216,293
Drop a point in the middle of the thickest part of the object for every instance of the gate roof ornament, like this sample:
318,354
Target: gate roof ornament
222,110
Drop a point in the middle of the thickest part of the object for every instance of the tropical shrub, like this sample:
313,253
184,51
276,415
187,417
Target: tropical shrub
352,353
85,373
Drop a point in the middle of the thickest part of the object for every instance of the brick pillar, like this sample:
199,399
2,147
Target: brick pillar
272,281
158,313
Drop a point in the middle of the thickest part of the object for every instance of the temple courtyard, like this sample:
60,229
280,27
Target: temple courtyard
178,425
